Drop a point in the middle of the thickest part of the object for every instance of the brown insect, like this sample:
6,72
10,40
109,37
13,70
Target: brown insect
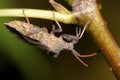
41,38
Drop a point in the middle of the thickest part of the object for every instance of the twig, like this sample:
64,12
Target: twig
89,10
36,13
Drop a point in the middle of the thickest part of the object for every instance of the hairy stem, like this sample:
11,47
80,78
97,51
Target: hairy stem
35,13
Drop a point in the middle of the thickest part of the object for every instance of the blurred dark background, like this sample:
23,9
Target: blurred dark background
21,61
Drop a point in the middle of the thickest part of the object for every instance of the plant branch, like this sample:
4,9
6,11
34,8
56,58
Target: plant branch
35,13
89,10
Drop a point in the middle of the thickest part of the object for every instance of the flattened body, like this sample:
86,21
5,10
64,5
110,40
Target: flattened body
40,36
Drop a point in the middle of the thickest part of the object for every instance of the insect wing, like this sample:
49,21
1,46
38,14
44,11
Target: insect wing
18,28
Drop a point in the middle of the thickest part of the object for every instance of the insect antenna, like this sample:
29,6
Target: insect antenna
78,56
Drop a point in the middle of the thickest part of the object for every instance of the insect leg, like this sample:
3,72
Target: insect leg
53,26
28,21
71,38
80,34
59,7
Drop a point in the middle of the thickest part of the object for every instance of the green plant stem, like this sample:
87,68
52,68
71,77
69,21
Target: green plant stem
35,13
